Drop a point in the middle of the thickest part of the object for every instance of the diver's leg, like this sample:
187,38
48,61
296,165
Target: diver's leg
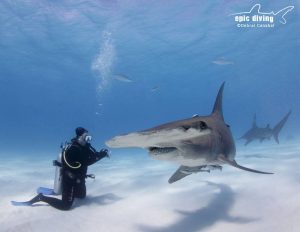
80,190
64,204
36,199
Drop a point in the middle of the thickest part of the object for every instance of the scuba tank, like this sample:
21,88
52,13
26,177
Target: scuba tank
57,189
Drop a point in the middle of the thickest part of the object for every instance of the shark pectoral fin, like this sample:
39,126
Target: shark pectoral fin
179,174
235,164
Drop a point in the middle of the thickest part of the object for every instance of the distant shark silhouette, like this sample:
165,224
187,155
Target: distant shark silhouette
264,133
256,10
198,144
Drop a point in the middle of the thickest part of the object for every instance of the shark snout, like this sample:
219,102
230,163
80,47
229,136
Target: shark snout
153,139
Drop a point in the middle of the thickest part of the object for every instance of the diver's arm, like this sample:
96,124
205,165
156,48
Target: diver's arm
95,156
102,154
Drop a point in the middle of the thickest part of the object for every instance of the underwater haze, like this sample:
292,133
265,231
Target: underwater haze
59,58
120,66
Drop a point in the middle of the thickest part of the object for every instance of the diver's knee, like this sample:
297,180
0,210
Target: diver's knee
81,196
80,193
67,206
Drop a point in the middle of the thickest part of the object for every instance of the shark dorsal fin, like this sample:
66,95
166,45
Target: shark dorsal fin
254,121
217,110
255,8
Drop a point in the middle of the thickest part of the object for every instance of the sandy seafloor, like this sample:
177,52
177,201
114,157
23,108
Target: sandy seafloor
131,193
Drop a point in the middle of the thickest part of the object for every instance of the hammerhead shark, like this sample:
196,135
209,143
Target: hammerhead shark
264,133
197,144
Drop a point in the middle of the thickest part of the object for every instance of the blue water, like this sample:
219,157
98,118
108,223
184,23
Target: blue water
59,59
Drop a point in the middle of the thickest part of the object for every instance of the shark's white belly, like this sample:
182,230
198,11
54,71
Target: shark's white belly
189,162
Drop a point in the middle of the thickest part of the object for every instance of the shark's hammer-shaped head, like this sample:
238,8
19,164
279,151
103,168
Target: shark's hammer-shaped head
191,142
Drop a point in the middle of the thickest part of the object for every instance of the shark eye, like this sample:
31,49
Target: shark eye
186,127
203,125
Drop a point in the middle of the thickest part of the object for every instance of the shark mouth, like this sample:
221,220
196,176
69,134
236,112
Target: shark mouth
161,150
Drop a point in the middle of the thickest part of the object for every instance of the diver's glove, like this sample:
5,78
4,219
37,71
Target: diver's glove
104,153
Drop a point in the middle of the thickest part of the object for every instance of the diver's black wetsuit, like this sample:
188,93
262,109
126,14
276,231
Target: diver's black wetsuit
75,162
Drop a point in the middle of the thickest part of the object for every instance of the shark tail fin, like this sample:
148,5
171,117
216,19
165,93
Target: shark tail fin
279,126
178,175
236,165
217,110
283,12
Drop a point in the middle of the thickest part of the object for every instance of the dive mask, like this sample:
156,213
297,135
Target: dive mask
88,138
84,138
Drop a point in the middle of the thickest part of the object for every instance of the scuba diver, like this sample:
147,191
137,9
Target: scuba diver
76,158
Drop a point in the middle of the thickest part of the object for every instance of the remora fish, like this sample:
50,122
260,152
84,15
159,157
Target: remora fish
198,144
222,61
121,77
264,133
